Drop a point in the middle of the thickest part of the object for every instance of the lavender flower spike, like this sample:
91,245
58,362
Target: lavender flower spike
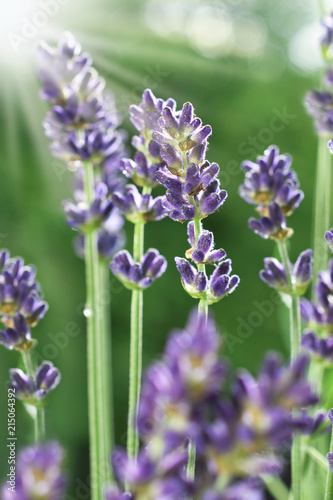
321,349
18,337
273,226
139,207
275,274
271,179
38,474
198,286
138,275
32,390
203,251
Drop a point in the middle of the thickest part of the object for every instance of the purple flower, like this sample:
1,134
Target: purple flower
275,275
18,337
138,275
198,286
139,207
38,474
32,390
110,237
82,118
319,105
141,171
86,218
320,312
59,67
329,238
20,293
203,251
181,133
320,348
269,180
273,226
327,38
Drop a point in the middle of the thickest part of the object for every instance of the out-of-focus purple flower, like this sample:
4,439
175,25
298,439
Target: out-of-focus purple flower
319,105
140,170
18,337
139,207
273,226
203,251
138,275
327,38
58,67
238,432
86,218
198,286
110,237
269,180
329,458
32,390
95,146
329,238
320,312
82,117
249,489
145,116
275,275
319,348
20,293
189,373
38,474
151,479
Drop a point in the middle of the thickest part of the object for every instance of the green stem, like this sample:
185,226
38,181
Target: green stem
39,416
276,487
294,310
106,355
329,477
40,424
135,349
99,447
295,341
190,471
321,208
316,456
203,306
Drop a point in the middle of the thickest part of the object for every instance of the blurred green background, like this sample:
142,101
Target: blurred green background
241,63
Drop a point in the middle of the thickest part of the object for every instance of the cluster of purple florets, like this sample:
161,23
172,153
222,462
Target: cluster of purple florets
238,424
21,308
82,124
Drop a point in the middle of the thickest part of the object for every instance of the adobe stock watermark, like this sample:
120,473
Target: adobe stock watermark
256,318
254,145
28,28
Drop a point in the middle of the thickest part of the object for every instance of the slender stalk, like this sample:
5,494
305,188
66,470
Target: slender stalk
329,477
99,448
276,487
316,456
190,471
39,415
322,203
135,349
203,306
40,424
295,340
106,356
295,319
